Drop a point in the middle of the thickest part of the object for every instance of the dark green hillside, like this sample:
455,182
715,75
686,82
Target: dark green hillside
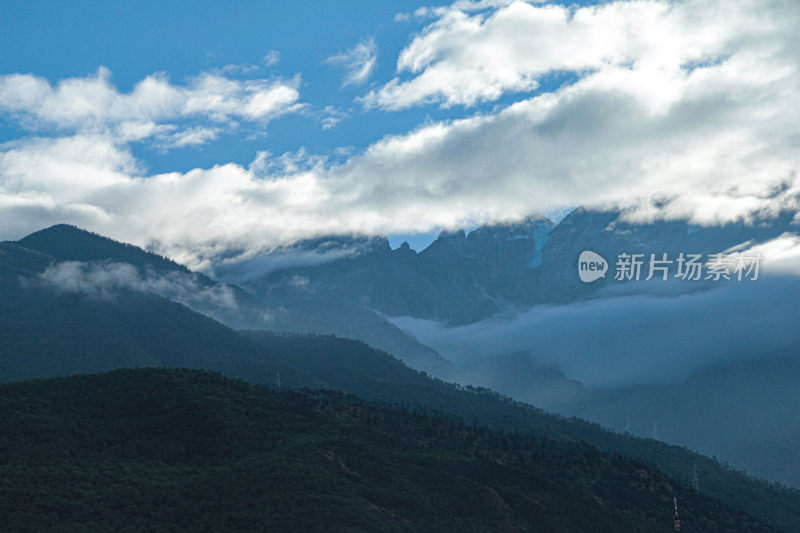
50,333
356,368
18,261
182,450
69,243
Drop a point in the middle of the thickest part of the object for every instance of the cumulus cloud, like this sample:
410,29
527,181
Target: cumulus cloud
464,58
357,62
697,112
153,108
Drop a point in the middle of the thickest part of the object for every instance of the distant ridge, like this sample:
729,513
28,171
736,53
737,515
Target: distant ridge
66,242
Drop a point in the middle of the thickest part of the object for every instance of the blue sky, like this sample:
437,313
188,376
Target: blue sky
60,40
241,118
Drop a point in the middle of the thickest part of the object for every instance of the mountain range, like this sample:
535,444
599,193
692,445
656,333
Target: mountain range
502,304
462,278
85,313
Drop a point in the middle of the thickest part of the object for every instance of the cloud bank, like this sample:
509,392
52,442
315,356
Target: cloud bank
630,340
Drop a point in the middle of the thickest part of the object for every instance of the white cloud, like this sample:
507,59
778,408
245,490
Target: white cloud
172,137
271,58
105,280
358,62
154,107
239,68
331,117
464,6
245,268
781,255
464,58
